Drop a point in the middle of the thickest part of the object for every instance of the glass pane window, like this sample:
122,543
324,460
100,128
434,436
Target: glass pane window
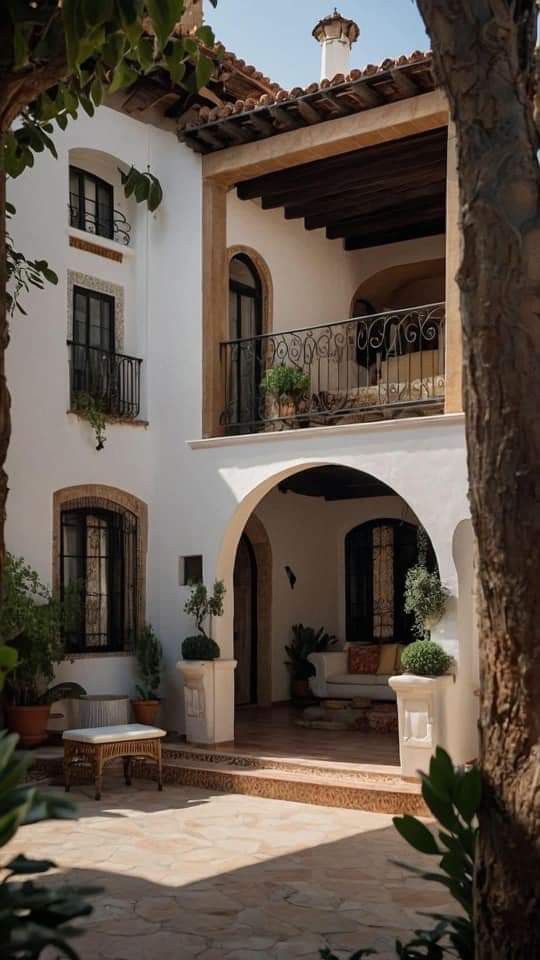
91,203
98,561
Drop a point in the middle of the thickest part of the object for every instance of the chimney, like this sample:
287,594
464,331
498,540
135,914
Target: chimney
336,36
192,17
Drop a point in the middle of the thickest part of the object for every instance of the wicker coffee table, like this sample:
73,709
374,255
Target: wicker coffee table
97,746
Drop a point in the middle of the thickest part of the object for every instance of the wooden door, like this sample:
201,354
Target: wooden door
245,624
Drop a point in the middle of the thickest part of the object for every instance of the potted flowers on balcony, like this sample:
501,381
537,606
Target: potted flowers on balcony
149,654
284,387
32,621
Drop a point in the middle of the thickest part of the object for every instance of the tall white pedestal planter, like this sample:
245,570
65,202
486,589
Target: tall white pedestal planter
208,700
425,719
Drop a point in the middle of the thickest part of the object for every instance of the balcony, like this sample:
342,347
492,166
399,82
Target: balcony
100,219
111,380
369,368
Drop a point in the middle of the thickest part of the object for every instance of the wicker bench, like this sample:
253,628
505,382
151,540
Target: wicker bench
99,745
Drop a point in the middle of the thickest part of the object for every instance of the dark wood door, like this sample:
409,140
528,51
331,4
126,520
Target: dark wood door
245,624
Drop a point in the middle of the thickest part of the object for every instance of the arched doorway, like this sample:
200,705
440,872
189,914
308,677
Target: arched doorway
246,323
245,624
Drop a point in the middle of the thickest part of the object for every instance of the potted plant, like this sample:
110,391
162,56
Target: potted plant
207,678
32,621
202,607
284,386
425,658
149,653
425,597
305,640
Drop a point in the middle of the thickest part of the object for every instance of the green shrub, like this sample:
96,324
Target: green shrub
425,597
200,648
425,659
285,381
149,654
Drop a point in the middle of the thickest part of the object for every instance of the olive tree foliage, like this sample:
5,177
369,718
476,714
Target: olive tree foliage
58,57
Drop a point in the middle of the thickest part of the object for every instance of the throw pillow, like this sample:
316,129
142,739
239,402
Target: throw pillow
363,658
387,660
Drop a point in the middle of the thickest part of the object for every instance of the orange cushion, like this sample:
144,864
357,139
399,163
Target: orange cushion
363,658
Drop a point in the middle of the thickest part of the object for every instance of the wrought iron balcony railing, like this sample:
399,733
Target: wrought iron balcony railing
98,218
111,380
354,370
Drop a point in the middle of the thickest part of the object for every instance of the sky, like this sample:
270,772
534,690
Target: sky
275,35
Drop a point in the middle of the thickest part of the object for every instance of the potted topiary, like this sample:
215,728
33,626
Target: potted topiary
32,621
305,640
425,658
284,387
208,678
149,653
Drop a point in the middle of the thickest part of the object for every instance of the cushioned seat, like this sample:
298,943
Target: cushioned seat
362,679
122,732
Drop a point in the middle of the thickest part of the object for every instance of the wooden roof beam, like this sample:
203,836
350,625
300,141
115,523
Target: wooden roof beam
404,83
387,219
365,204
430,228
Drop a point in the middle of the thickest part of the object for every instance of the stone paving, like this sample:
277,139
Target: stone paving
191,874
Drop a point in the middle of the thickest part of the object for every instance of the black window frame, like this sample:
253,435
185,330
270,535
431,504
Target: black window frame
84,211
247,410
120,524
104,298
359,550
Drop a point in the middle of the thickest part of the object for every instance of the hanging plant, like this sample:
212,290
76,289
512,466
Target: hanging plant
92,409
425,597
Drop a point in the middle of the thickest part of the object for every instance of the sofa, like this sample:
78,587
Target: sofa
332,680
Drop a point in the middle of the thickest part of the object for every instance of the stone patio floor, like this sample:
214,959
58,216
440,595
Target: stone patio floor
187,873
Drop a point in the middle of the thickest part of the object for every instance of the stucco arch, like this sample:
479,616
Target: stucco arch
403,285
265,276
244,511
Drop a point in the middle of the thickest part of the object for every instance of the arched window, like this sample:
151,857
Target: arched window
98,554
378,555
245,317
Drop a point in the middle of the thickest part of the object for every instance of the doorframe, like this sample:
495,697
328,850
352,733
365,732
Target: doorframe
255,533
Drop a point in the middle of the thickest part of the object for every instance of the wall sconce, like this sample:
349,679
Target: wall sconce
290,576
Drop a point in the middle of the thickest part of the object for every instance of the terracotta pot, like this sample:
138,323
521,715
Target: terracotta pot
145,711
30,723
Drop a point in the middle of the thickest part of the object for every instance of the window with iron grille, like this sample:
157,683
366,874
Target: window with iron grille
99,555
91,203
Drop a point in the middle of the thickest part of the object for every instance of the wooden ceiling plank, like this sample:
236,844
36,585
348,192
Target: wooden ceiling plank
408,232
331,172
387,219
359,205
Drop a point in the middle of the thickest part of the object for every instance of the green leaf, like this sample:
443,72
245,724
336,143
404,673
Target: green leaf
124,76
131,13
145,52
96,90
203,71
206,35
468,794
440,807
164,15
155,195
97,12
416,834
8,660
442,773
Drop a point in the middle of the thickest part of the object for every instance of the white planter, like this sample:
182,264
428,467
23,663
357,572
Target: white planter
424,717
208,700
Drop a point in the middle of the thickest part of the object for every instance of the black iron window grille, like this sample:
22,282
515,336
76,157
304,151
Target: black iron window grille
98,558
112,380
91,207
352,370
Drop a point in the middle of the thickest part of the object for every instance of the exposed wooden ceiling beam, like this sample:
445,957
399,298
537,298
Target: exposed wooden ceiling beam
286,121
381,220
317,172
307,112
364,203
370,191
263,125
404,83
407,232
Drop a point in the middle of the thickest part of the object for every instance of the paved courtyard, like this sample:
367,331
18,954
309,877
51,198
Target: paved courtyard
187,873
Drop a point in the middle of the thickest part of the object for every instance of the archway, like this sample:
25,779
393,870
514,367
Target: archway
252,630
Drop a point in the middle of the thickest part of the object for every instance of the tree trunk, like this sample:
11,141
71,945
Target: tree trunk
484,59
5,419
